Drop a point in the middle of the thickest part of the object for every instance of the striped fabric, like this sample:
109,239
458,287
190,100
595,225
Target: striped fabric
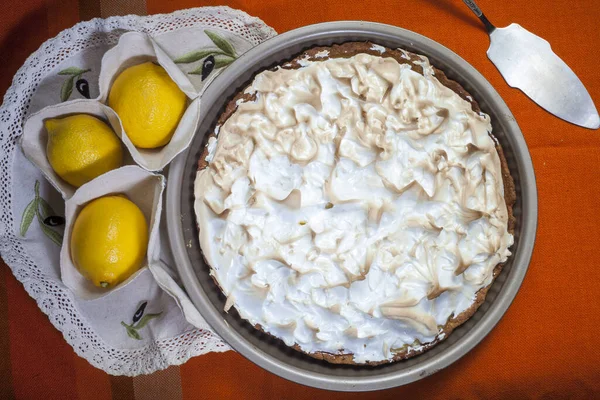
547,345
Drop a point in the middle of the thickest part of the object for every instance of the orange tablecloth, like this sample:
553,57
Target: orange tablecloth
547,344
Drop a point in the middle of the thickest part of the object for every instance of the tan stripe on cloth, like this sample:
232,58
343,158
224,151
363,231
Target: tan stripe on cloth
91,383
164,385
89,9
121,387
61,14
109,8
6,388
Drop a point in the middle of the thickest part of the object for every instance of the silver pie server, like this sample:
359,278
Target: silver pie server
527,62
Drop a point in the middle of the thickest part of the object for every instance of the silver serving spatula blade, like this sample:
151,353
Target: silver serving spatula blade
527,62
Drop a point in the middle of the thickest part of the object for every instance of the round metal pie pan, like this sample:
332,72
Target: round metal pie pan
271,353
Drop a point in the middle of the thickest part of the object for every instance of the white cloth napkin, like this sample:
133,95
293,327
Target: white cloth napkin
149,324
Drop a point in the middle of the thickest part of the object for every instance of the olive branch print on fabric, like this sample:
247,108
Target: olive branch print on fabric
74,76
139,321
47,218
214,58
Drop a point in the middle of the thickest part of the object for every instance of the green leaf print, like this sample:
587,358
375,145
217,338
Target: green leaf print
145,319
39,207
221,43
73,71
194,56
28,215
51,233
211,58
67,88
220,62
132,330
45,208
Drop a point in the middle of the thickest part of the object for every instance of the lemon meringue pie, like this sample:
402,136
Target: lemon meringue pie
353,203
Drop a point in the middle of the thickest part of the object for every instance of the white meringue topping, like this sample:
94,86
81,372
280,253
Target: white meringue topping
354,206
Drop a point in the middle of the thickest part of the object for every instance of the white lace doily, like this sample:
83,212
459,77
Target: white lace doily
41,281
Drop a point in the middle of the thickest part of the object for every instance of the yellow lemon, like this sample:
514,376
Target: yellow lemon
109,240
149,104
82,147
